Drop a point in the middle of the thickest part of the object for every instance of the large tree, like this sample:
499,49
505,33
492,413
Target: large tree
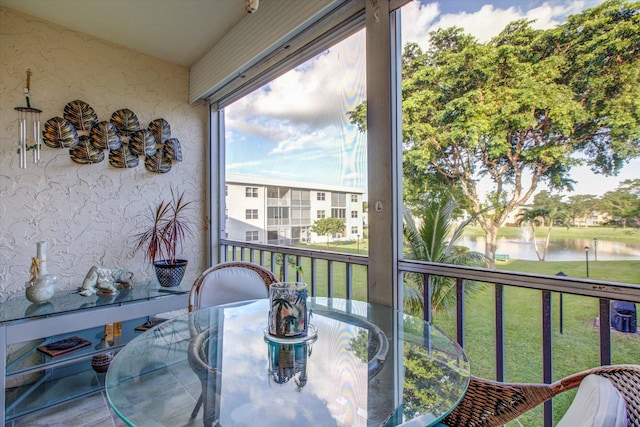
581,206
520,110
623,203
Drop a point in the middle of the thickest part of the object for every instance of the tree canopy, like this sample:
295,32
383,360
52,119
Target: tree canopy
328,226
520,110
623,203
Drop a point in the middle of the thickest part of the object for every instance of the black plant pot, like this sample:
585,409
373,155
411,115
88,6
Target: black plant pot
168,274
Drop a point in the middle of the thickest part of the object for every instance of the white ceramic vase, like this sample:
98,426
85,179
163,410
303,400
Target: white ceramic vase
42,285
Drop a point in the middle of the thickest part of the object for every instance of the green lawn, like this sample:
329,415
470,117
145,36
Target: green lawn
617,234
612,271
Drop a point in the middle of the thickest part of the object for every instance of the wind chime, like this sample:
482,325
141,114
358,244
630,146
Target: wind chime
29,122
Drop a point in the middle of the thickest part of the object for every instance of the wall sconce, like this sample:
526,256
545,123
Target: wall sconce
29,122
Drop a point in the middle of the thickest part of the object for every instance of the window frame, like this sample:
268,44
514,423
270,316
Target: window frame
383,66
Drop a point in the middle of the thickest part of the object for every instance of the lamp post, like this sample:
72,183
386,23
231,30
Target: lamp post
358,244
595,248
586,254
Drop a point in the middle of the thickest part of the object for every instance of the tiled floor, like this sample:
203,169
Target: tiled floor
89,411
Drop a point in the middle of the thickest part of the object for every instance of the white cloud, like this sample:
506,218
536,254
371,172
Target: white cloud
300,109
420,19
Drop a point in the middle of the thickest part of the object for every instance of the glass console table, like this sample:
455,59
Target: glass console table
361,365
33,380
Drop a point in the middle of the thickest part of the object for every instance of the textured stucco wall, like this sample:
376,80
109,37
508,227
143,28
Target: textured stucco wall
88,213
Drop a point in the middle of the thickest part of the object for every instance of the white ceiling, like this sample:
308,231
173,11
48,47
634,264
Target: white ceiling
179,31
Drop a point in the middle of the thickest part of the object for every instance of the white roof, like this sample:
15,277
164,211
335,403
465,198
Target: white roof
275,182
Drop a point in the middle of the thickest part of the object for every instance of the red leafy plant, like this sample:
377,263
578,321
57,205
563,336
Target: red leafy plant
170,226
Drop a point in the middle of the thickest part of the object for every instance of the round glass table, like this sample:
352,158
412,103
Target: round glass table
360,365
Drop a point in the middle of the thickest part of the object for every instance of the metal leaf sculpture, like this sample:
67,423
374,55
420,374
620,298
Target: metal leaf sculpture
158,163
172,149
84,153
160,129
59,133
142,142
125,121
123,158
81,115
105,136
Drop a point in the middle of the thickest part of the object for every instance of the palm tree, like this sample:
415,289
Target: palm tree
435,239
548,211
279,304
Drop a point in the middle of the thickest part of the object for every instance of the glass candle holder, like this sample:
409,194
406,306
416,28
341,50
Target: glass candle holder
288,316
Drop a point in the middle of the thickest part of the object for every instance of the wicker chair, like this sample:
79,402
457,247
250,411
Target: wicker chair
490,403
221,284
230,282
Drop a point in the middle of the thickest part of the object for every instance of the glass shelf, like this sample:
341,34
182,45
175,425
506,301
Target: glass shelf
19,308
54,386
26,364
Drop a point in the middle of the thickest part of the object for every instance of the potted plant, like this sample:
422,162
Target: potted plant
170,225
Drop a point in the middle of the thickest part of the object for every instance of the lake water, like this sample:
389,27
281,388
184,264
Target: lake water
559,249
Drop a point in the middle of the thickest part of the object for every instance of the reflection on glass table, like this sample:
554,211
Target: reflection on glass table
368,365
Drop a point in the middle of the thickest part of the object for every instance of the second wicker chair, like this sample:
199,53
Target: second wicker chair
490,403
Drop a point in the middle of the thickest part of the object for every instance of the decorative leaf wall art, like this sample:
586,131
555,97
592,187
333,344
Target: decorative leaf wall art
125,121
105,136
172,149
143,143
158,163
87,138
85,153
59,133
123,158
81,115
160,130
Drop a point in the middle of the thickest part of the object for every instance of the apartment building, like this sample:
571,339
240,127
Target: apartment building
281,212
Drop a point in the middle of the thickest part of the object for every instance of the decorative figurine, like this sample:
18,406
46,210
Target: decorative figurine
102,280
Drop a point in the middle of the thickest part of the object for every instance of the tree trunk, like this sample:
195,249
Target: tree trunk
546,242
535,244
490,239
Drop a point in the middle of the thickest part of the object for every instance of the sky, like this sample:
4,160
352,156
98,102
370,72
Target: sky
297,128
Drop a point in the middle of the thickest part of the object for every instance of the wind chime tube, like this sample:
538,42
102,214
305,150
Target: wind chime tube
36,137
22,117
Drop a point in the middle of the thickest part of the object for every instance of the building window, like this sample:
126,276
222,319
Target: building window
354,230
338,213
321,196
226,190
321,214
354,198
251,191
354,214
251,214
251,236
338,200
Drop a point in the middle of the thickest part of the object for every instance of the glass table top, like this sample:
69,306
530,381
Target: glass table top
18,308
367,365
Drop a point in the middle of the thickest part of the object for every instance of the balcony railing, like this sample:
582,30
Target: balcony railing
321,270
332,274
